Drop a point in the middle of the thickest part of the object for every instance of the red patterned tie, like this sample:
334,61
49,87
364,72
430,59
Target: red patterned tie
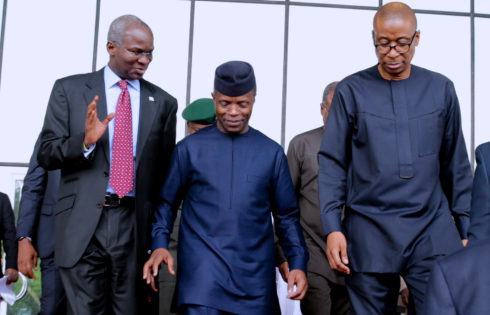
122,164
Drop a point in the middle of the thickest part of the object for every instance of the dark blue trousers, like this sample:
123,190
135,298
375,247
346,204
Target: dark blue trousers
192,309
377,293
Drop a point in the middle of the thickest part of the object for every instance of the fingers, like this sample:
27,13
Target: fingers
152,283
146,271
337,252
345,259
25,267
298,278
465,242
284,271
108,118
170,264
34,262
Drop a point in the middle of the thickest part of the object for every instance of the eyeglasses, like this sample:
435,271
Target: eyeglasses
140,53
401,48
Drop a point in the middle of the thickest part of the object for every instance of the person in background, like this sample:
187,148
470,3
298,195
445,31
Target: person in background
35,233
326,288
480,196
459,284
7,236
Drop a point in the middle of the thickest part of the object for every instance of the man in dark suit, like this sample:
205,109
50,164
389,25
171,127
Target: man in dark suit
35,234
7,235
460,283
326,293
480,196
111,173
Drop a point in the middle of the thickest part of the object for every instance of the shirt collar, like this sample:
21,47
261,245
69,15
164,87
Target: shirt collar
111,79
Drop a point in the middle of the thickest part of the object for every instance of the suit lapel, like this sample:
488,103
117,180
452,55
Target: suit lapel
148,108
95,86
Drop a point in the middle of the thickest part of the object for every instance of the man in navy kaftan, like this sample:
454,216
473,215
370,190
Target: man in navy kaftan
394,157
231,178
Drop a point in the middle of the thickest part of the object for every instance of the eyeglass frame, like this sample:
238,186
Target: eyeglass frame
394,46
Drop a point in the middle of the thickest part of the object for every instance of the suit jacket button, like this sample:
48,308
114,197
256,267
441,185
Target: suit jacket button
99,205
106,174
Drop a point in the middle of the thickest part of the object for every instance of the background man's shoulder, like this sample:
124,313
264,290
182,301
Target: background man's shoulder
484,148
305,136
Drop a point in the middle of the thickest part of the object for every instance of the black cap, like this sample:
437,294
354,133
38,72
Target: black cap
234,78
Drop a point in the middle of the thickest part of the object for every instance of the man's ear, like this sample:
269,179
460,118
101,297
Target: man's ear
417,38
110,48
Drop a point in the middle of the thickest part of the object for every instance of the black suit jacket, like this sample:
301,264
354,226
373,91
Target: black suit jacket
84,181
39,196
7,232
460,283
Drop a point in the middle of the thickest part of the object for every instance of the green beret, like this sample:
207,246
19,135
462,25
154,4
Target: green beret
200,111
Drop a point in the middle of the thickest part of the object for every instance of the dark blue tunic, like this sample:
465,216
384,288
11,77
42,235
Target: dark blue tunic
229,185
394,154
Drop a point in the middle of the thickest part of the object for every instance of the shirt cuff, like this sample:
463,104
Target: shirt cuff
86,152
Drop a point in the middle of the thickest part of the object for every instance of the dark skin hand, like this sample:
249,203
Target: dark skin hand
297,277
27,258
94,128
12,275
284,271
150,269
337,252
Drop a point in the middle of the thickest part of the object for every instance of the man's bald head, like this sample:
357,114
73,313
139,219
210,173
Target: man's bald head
395,12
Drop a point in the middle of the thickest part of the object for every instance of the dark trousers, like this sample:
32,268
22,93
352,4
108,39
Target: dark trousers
377,293
104,279
53,298
324,297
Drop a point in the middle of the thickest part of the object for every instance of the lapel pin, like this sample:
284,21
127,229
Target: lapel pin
151,99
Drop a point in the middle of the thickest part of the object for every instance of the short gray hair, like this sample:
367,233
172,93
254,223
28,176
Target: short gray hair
330,88
119,25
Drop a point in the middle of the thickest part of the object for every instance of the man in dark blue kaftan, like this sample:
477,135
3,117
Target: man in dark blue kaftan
231,178
393,154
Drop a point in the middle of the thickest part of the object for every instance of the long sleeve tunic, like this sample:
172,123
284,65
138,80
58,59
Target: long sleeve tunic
230,185
394,155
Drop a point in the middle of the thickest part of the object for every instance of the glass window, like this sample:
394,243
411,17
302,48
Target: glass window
440,5
219,36
169,21
370,3
453,61
41,45
325,45
482,68
482,6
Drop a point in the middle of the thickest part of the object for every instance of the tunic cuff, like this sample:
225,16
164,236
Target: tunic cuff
331,222
159,241
463,224
297,262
